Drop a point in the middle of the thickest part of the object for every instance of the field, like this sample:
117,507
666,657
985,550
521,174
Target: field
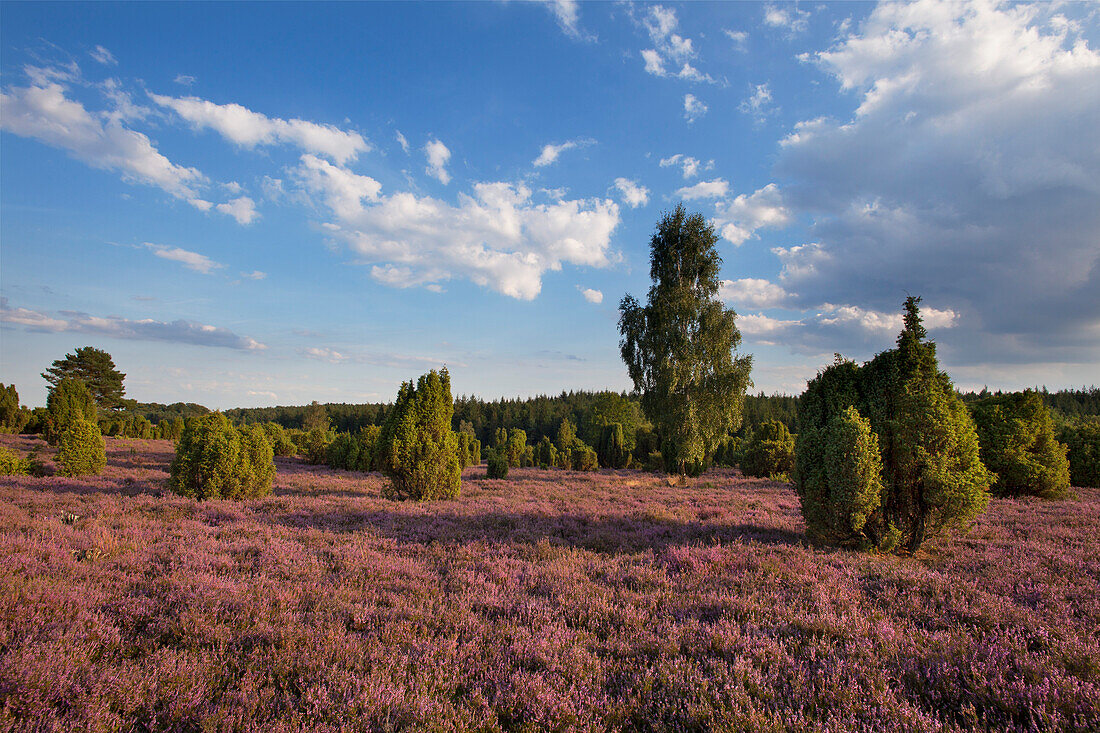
548,601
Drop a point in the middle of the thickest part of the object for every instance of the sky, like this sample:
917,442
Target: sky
261,204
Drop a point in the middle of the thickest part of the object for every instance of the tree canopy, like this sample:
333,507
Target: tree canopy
679,347
96,369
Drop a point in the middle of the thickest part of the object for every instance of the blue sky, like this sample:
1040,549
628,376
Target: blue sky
269,204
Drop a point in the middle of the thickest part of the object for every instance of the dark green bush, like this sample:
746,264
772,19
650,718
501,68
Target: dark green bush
517,447
11,463
498,464
314,445
583,458
1018,443
931,474
769,452
612,451
1082,437
13,418
419,449
215,461
69,401
281,443
80,449
546,455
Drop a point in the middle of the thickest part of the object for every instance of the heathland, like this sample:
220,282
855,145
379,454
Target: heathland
550,600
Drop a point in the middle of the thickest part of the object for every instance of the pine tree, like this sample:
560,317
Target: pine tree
96,369
1017,439
679,348
69,401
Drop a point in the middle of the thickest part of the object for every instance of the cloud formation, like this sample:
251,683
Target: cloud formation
438,155
249,129
669,47
716,188
633,194
693,108
592,296
178,331
752,293
190,260
969,173
689,166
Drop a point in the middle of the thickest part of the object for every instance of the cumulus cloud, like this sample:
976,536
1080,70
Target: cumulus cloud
402,142
669,47
567,13
44,112
179,331
323,354
592,296
342,190
844,328
969,173
704,190
437,155
689,166
739,219
633,194
250,129
693,108
190,260
739,38
758,103
103,56
496,237
752,293
243,209
185,80
550,152
789,18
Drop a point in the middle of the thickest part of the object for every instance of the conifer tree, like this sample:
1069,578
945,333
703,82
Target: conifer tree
1018,443
96,369
419,449
679,347
67,402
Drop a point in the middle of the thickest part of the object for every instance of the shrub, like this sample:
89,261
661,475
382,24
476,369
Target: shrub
11,464
567,435
546,455
419,449
528,459
80,450
728,452
769,452
612,448
583,458
315,445
213,460
498,464
931,474
516,446
69,401
13,418
281,443
1016,436
1082,437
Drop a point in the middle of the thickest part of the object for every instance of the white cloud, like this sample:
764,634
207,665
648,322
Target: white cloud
688,165
968,173
791,18
592,296
752,293
438,155
496,237
146,329
250,129
759,103
185,80
669,48
103,56
693,108
402,142
738,220
254,275
323,354
243,209
568,16
551,152
43,112
190,260
739,38
716,188
633,194
653,63
342,190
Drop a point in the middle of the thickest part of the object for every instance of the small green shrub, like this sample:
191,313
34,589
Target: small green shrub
1017,442
315,445
517,447
1082,437
498,464
281,443
583,458
419,449
11,464
769,452
215,461
546,455
612,451
69,401
81,450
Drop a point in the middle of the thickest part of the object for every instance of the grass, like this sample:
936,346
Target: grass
551,600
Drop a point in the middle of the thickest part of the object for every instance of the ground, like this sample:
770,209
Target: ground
551,600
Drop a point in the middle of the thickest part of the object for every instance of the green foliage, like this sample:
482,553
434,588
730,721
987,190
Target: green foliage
80,449
1082,437
567,435
281,443
612,450
679,348
95,368
419,449
13,418
215,461
1018,443
546,455
315,443
516,447
611,408
11,463
583,458
316,418
931,475
728,452
497,464
69,401
769,452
